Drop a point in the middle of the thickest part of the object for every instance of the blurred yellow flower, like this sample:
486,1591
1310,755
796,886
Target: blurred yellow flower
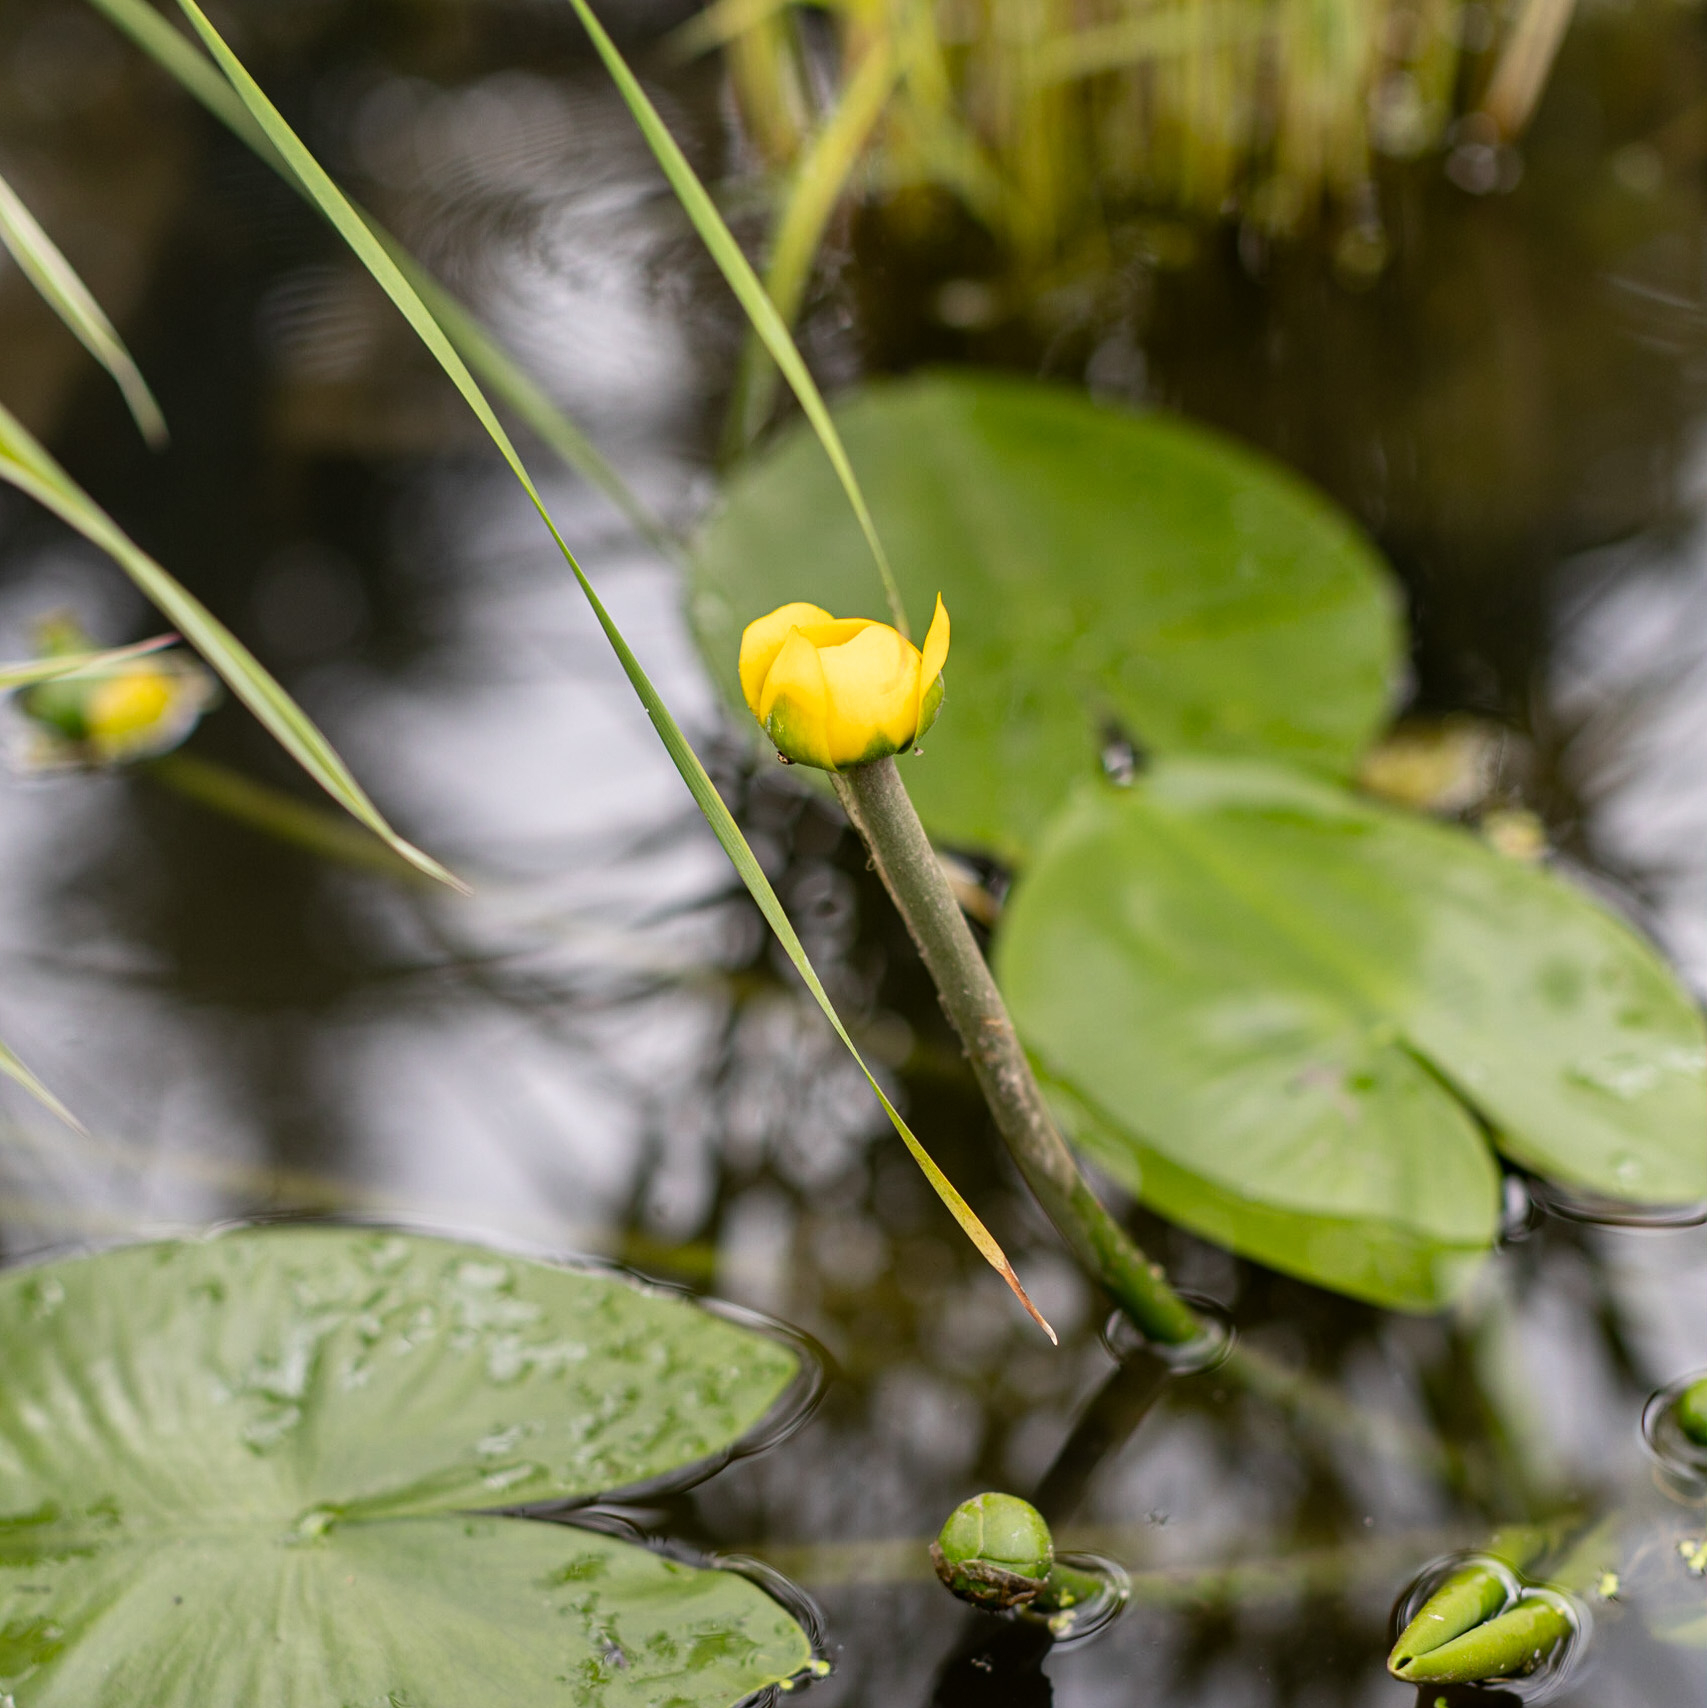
146,709
111,715
834,692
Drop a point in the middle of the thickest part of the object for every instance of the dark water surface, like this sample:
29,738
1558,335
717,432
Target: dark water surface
598,1052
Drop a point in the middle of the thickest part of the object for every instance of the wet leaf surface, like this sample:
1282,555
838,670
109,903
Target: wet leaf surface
238,1471
1100,568
1282,1014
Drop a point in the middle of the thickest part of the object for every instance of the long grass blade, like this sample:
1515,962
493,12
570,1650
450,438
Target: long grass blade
14,1070
273,813
1521,74
390,277
1154,34
719,24
13,676
176,54
813,192
25,464
487,358
744,282
55,279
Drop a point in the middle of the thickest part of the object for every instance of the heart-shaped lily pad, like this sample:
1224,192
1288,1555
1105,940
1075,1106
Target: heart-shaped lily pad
1296,1021
1100,568
248,1471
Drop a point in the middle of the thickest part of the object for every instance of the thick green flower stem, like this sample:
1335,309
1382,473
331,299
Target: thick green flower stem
877,802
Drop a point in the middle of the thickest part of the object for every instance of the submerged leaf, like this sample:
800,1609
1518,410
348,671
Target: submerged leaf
1282,1015
1104,569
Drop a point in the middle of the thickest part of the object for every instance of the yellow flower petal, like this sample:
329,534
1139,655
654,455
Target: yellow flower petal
794,705
934,657
874,694
128,704
836,631
935,651
763,640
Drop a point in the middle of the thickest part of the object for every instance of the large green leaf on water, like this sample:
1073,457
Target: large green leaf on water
415,1612
237,1473
1283,1014
1098,566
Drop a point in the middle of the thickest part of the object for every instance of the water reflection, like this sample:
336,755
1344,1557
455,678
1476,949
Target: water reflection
600,1051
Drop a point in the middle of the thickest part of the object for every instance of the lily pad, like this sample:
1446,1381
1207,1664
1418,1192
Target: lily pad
247,1471
1296,1021
1100,567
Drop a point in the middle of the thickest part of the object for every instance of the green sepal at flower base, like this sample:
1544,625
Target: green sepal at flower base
135,710
834,692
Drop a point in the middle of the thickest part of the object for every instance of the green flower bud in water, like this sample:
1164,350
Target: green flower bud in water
995,1551
1471,1595
1691,1411
1512,1645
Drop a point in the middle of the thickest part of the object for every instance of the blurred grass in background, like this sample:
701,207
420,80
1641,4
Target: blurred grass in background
1049,121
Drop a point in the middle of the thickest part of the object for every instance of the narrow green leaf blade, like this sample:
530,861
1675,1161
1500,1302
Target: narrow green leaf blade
25,464
273,813
76,664
176,54
197,74
390,277
720,23
487,358
64,292
750,293
813,192
15,1071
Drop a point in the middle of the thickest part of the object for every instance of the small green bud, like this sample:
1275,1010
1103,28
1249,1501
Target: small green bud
1472,1594
1511,1646
1691,1411
995,1551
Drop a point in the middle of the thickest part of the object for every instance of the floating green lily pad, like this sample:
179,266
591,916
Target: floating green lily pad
247,1471
1283,1016
1098,566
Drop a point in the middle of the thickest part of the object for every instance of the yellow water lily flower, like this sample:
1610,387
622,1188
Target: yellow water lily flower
834,692
146,709
109,716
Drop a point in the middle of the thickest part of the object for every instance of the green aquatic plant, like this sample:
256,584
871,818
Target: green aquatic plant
1113,576
837,693
1483,1623
1513,1644
261,124
118,712
1691,1412
1060,128
262,1469
56,281
1301,1023
995,1552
